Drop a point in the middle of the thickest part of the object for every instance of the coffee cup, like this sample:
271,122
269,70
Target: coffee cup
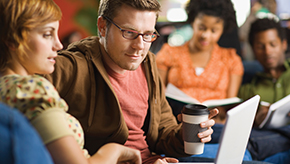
192,116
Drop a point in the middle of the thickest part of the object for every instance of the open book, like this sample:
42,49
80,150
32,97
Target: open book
277,115
174,93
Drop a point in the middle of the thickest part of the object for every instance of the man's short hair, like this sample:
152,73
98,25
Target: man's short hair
110,8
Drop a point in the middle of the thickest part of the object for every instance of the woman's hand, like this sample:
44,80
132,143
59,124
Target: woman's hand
166,160
116,153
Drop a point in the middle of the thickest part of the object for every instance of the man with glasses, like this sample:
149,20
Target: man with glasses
113,88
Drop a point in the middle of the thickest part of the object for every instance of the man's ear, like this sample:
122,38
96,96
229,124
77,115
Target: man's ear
102,26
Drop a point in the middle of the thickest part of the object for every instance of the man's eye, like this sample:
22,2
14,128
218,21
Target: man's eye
129,32
273,44
148,35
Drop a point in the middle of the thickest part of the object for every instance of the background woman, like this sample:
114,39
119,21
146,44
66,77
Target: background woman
201,68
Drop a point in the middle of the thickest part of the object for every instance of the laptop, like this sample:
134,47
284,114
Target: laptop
235,134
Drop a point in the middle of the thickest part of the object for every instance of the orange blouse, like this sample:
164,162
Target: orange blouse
212,83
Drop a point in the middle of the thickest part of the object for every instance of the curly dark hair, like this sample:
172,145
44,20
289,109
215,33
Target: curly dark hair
223,9
264,24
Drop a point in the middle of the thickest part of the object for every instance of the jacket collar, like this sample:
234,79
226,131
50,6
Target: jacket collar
92,49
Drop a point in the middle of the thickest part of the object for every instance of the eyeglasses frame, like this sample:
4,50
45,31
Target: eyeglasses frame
122,30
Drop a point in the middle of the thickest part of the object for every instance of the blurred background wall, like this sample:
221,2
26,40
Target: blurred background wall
79,16
79,19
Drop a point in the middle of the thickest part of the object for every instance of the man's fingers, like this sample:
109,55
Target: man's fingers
213,112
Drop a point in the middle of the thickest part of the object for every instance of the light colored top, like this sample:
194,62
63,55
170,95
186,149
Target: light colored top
39,101
212,83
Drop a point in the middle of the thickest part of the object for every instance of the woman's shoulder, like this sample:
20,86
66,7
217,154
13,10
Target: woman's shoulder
23,79
174,52
31,83
30,94
226,53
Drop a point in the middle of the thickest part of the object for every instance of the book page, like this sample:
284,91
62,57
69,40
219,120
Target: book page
277,115
222,102
175,93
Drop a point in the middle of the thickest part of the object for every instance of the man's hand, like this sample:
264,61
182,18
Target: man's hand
261,114
206,135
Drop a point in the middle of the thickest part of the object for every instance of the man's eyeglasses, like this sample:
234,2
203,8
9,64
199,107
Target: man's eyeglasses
131,35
